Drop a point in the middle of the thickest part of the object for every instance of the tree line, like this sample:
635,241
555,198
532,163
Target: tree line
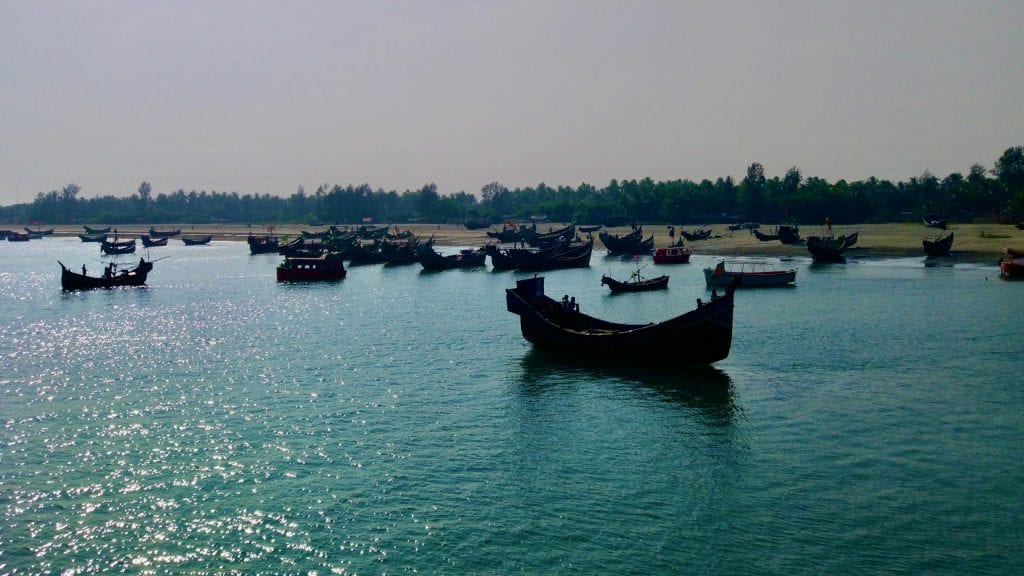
988,193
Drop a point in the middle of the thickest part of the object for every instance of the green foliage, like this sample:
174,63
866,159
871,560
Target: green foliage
792,198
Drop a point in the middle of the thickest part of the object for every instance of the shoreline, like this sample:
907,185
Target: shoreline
980,243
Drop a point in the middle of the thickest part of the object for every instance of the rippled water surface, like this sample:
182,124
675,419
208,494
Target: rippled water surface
867,421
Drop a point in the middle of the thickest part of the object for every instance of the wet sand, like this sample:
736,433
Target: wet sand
982,243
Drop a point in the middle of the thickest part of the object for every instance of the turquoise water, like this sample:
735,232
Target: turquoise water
867,421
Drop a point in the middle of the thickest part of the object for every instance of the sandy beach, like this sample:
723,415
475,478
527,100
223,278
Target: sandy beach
973,242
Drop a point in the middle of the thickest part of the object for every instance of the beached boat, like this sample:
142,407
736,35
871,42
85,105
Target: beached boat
39,232
92,237
509,233
635,283
934,222
672,255
590,229
696,235
152,242
327,266
1012,264
154,233
113,248
936,247
95,231
467,258
747,275
197,241
700,336
543,240
631,244
475,224
136,276
565,255
827,248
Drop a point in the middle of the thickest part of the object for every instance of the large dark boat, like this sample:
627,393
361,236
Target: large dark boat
565,255
937,247
552,237
700,336
199,241
327,266
111,279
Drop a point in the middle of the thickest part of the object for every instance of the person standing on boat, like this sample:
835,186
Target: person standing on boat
83,269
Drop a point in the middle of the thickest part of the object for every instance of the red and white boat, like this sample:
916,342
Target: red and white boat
1012,264
672,255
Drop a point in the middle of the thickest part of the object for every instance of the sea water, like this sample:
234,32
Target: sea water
867,420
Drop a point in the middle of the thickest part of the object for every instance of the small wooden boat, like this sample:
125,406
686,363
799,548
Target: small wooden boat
39,232
467,258
533,238
589,229
632,244
124,247
154,233
672,255
636,283
95,231
197,241
263,244
13,236
327,266
937,247
101,237
696,235
747,275
150,242
475,224
1012,264
700,336
136,276
765,237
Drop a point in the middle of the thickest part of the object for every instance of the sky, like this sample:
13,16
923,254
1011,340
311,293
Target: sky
261,97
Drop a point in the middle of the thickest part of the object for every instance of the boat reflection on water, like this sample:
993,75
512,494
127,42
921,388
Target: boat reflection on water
705,388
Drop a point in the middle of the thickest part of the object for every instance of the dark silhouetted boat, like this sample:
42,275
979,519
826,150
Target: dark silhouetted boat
122,247
136,276
13,236
431,260
696,235
149,242
937,247
935,222
635,283
94,231
263,244
632,244
101,237
827,248
154,233
700,336
327,266
197,241
39,232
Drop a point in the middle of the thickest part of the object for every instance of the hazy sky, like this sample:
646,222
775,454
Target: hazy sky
263,96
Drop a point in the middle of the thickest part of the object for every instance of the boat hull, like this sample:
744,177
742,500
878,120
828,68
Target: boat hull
749,279
674,255
701,336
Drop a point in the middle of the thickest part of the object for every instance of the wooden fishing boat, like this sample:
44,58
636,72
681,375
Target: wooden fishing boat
696,235
197,241
263,244
747,275
93,237
39,232
636,283
933,222
937,247
765,237
700,336
95,231
123,247
790,234
533,238
467,258
827,248
149,242
565,255
13,236
632,244
1012,264
154,233
509,234
475,224
136,276
589,229
672,255
327,266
